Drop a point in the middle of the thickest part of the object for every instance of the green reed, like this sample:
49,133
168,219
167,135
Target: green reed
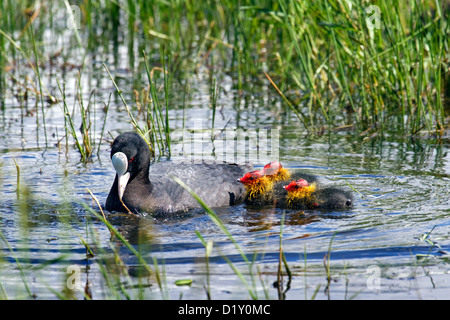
383,75
336,62
85,121
158,123
41,98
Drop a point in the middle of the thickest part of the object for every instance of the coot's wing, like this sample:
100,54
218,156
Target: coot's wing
215,183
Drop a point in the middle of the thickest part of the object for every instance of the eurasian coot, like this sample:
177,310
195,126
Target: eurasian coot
142,187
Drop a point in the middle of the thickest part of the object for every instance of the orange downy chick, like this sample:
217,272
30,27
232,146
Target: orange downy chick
256,183
275,171
299,190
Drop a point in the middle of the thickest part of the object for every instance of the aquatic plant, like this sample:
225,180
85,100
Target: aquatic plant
371,66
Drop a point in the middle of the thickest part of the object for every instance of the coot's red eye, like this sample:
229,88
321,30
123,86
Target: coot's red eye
131,159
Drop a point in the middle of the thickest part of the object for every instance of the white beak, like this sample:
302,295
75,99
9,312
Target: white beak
120,163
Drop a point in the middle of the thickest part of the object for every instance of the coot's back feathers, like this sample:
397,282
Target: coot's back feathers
214,183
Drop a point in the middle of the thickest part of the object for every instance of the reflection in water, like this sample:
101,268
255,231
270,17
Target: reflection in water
261,219
135,229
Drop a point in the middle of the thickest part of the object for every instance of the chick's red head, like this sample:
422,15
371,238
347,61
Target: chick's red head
296,185
272,168
251,177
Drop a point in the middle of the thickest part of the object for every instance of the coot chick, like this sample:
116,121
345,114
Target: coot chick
266,186
277,173
257,184
302,195
141,187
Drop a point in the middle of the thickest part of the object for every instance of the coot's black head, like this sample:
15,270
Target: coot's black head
136,150
130,157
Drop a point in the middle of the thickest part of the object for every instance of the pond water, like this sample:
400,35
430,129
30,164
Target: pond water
376,250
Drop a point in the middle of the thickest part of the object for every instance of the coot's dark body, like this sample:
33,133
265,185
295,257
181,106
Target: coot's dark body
150,188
